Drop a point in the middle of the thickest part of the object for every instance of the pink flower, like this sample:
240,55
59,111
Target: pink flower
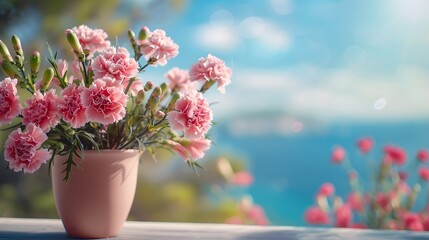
71,106
135,87
21,149
425,221
396,154
115,63
424,173
326,190
338,154
158,46
179,80
192,115
383,201
356,202
315,215
391,225
343,216
257,215
91,40
403,175
423,156
105,101
10,106
211,68
242,178
413,222
365,144
190,150
42,110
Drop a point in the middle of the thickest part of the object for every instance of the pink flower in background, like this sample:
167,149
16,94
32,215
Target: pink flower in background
365,144
422,155
343,216
192,115
115,63
356,202
179,80
402,175
326,190
190,149
242,178
424,173
257,215
10,106
211,68
105,101
391,225
71,106
42,110
425,221
315,215
338,154
158,46
413,222
396,154
21,149
135,87
75,67
91,40
383,201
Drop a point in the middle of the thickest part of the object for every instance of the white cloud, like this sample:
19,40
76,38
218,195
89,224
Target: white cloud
217,37
281,7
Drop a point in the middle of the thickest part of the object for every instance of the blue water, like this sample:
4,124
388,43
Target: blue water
288,169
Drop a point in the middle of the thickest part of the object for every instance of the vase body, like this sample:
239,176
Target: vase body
97,198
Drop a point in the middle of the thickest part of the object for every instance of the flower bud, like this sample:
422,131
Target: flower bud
70,132
4,52
164,87
144,33
75,44
35,63
159,115
172,103
132,38
140,96
148,86
16,42
152,103
9,69
47,78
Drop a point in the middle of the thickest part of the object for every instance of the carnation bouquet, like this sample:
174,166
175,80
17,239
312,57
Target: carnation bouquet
98,100
389,200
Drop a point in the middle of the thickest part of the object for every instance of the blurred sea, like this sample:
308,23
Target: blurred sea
289,167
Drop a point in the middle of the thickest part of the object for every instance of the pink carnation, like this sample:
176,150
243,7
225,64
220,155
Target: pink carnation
158,46
365,144
10,106
338,154
315,215
413,222
105,101
395,154
91,40
211,68
326,190
135,87
242,178
21,149
424,173
422,155
356,201
383,201
343,216
257,215
179,80
42,110
192,115
190,150
71,106
115,63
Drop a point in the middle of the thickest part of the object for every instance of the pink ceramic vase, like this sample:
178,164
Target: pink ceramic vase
96,200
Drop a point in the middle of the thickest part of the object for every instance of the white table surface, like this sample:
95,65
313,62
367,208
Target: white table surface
16,228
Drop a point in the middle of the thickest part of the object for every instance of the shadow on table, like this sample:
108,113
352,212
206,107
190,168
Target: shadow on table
333,234
21,235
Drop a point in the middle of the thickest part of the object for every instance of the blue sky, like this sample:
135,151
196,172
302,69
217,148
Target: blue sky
324,59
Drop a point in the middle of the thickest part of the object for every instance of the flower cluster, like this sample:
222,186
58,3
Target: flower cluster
388,201
101,103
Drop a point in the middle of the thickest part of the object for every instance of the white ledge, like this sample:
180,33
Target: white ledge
17,228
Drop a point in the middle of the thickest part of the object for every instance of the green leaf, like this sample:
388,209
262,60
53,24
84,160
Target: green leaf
12,127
